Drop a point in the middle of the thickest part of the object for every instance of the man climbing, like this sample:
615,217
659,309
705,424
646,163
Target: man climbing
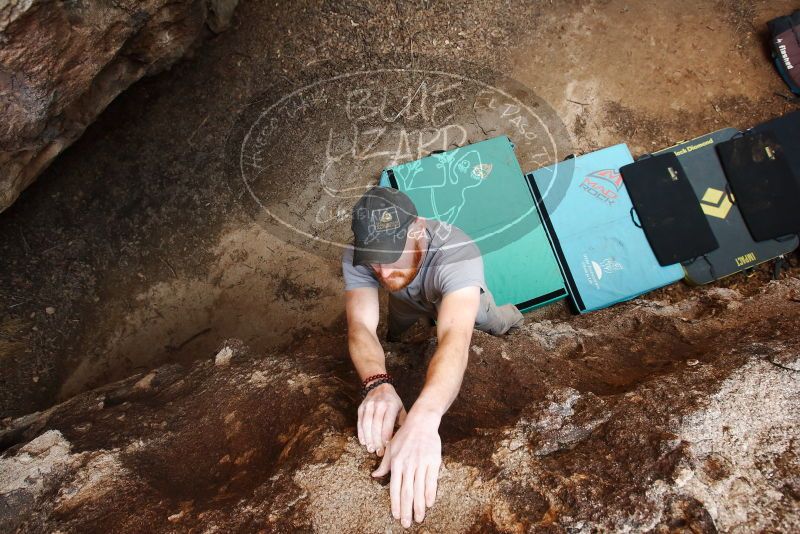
434,270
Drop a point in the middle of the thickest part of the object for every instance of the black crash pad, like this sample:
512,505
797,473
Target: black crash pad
667,209
766,190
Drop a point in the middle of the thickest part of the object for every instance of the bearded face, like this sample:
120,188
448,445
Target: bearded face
395,276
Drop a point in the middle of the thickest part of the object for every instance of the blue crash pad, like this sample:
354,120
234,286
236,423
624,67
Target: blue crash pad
604,256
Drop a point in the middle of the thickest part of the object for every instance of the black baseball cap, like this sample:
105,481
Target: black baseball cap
380,225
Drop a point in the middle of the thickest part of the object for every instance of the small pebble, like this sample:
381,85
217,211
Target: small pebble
50,310
223,357
515,444
692,363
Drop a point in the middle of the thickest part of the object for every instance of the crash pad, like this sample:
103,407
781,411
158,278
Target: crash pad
786,130
604,255
765,189
667,208
737,250
785,41
481,189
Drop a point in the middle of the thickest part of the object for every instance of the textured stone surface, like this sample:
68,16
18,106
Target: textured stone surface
697,432
62,63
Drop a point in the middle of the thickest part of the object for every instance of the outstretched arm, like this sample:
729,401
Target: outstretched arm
366,352
382,406
415,453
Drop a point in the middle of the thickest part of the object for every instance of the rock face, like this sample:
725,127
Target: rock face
650,416
62,63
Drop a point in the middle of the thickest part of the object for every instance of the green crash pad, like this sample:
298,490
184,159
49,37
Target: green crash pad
480,188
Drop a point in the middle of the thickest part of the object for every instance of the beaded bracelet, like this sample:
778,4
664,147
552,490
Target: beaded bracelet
375,377
375,384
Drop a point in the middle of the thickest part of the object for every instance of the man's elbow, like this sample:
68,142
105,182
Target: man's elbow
458,340
358,332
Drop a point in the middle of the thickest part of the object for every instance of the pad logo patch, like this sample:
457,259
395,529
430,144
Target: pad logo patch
603,185
745,259
595,270
715,203
482,170
385,219
784,54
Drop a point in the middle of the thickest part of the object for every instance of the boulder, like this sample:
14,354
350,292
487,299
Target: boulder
62,63
590,436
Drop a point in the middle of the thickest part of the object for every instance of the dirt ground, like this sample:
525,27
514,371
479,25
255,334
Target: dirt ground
141,245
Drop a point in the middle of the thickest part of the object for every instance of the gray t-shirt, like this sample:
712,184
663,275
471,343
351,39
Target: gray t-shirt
452,261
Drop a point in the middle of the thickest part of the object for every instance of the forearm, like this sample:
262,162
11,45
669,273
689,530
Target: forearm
366,352
443,380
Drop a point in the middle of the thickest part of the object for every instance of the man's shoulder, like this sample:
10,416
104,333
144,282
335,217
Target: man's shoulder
347,261
347,254
356,276
457,262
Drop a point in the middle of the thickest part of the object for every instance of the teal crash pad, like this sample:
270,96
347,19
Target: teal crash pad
480,188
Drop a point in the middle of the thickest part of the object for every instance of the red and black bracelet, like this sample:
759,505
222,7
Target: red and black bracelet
375,384
375,377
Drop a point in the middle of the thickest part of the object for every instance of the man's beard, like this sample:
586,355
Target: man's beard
399,280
